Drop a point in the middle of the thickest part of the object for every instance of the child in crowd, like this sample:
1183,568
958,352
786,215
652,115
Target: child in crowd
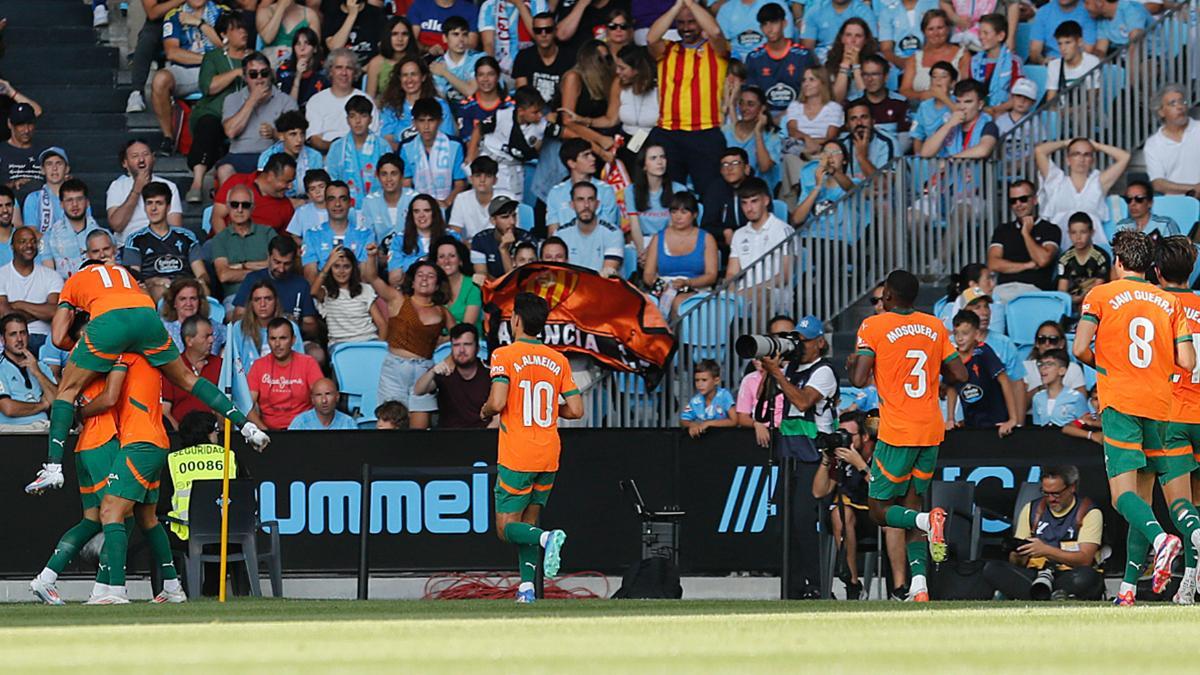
454,71
1083,266
292,129
1088,425
524,253
433,161
1074,63
1055,404
487,99
712,406
987,399
353,157
513,137
995,65
310,215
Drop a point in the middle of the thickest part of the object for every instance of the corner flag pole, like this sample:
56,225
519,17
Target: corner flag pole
224,511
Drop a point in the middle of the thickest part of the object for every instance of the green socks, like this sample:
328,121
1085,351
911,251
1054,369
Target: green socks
905,519
1139,515
73,540
918,555
1136,549
523,533
112,556
156,537
209,395
62,414
527,559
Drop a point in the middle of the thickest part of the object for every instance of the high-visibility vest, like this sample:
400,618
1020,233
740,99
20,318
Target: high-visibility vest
199,462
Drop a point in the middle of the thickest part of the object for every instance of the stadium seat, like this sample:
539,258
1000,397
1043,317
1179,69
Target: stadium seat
216,310
940,305
525,217
1026,493
629,263
1183,209
1089,376
705,331
1118,210
204,528
1038,75
441,352
1023,352
357,366
964,521
1024,37
780,209
1025,313
206,220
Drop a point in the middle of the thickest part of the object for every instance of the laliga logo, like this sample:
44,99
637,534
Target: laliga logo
553,285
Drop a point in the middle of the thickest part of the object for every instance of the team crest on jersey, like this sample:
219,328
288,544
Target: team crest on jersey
552,285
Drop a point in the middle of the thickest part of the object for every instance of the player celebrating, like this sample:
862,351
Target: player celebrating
907,350
1141,335
123,319
1176,256
527,380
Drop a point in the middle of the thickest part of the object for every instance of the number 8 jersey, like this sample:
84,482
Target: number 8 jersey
909,350
1138,325
537,376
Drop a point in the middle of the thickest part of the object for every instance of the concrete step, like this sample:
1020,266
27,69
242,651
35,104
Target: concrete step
49,58
19,36
103,76
46,13
75,96
54,120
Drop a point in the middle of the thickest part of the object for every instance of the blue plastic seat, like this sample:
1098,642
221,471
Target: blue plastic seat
706,330
629,262
206,220
780,209
1023,314
216,310
1183,209
525,218
1024,37
1039,75
357,366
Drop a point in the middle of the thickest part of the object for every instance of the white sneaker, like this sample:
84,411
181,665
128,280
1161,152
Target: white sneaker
253,435
99,16
45,592
135,103
173,597
108,599
50,476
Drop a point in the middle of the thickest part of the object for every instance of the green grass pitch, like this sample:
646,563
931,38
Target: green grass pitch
598,636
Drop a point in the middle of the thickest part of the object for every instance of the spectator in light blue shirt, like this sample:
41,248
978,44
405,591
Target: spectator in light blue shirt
26,385
386,208
8,210
739,24
1139,197
576,154
1118,22
900,34
341,229
935,110
324,415
1042,45
712,406
64,245
1055,404
310,215
822,23
292,129
592,242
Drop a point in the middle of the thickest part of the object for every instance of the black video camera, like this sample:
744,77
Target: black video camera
784,345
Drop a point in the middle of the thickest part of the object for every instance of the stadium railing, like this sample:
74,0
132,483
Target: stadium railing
929,216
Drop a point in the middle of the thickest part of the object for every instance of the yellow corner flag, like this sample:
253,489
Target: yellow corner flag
224,511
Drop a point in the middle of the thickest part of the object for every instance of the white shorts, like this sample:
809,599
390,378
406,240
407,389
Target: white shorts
187,79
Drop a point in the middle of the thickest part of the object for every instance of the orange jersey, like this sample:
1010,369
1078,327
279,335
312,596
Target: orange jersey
536,377
1185,403
909,351
139,410
97,429
97,289
1138,325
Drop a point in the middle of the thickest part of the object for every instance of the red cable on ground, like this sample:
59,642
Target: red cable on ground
485,586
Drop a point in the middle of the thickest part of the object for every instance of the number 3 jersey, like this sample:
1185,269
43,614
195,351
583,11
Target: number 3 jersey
909,350
1138,326
537,376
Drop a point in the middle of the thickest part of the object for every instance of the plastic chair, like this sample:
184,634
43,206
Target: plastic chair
206,220
1025,313
1183,209
357,366
216,310
1021,43
939,306
204,528
706,330
441,352
1118,210
1026,493
525,217
964,521
780,209
1038,74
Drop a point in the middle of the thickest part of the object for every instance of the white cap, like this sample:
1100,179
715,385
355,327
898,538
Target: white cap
1025,87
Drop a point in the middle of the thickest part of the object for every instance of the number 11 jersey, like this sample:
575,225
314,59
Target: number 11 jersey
909,350
537,376
1138,325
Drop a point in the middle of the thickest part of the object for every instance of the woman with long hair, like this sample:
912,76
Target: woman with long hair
423,225
417,318
636,89
411,81
619,27
682,258
302,75
751,128
972,275
935,26
811,120
466,300
345,303
396,44
185,298
854,42
588,109
248,335
652,192
278,22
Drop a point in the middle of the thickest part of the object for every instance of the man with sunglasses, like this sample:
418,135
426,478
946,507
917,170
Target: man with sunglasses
248,117
269,186
1023,251
580,21
240,248
1139,197
543,65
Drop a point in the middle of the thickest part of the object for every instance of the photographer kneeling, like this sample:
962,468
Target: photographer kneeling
1059,561
845,474
795,363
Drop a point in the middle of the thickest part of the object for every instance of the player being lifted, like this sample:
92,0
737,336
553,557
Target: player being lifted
123,319
1141,336
1176,256
907,350
527,380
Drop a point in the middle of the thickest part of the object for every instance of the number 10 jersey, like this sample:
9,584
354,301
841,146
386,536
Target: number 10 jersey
537,376
909,349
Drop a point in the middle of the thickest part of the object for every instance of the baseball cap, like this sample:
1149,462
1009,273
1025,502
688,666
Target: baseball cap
1025,87
973,294
501,205
810,327
53,151
21,113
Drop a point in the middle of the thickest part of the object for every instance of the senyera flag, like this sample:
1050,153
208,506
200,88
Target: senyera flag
607,319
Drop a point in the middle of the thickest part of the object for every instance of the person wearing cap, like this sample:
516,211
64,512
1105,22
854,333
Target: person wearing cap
1023,250
10,98
1024,96
973,299
491,249
43,207
809,385
20,161
64,246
